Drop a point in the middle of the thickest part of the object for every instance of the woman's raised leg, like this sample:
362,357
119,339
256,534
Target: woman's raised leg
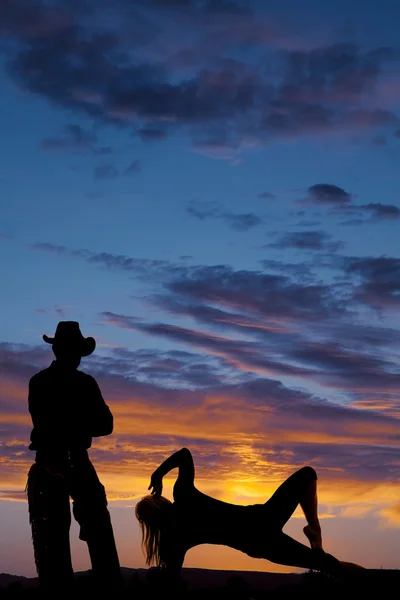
299,488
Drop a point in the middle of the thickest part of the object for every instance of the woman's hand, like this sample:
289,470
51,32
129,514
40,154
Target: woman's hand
156,484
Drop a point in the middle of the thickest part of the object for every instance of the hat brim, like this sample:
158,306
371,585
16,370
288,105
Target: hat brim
86,346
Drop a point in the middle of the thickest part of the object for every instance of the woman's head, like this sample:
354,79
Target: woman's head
151,511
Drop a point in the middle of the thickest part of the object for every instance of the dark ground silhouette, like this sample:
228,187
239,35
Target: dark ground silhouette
204,584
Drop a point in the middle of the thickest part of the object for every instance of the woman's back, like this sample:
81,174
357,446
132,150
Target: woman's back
198,518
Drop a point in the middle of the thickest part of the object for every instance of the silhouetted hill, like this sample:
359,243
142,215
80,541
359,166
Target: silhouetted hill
6,579
195,578
207,584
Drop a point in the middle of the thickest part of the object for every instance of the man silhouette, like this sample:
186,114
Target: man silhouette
67,411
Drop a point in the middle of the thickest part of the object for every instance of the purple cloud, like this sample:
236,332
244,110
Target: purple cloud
226,100
328,194
293,320
380,281
341,203
381,211
306,240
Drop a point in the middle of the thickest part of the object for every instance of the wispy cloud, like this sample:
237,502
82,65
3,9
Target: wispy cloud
103,172
237,221
133,168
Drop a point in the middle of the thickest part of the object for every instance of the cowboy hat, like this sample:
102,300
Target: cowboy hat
68,335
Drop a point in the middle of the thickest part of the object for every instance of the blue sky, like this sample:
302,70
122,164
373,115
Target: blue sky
211,189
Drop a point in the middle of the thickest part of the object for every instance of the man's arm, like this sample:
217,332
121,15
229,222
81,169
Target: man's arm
39,421
101,421
43,431
183,460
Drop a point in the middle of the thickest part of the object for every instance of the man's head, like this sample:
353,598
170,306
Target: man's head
68,357
69,345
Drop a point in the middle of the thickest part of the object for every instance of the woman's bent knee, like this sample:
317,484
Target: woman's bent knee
307,473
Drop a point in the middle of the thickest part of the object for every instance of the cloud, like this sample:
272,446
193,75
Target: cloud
328,194
392,514
341,203
246,355
216,399
60,311
75,137
165,81
133,168
53,248
284,324
244,221
204,210
224,7
275,351
267,195
381,211
260,293
298,270
380,281
236,221
277,407
33,19
306,240
365,214
195,9
151,134
114,262
255,291
103,172
109,171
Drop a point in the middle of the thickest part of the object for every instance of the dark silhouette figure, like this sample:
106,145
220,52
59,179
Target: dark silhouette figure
169,529
67,411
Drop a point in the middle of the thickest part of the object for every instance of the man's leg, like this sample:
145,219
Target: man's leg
91,512
50,519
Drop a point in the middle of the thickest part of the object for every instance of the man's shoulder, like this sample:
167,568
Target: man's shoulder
40,376
85,377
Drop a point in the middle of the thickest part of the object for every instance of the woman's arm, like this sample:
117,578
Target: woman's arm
183,461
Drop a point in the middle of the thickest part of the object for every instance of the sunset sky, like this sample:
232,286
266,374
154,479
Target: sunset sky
211,188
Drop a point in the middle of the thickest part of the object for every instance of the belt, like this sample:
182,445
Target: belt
48,456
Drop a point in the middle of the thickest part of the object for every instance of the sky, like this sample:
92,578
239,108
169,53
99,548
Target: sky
210,187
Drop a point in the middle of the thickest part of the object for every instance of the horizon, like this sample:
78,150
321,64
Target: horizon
211,189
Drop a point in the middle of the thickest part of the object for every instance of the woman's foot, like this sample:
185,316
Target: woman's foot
313,534
351,567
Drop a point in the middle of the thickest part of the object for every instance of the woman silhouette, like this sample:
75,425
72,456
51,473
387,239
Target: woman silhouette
169,529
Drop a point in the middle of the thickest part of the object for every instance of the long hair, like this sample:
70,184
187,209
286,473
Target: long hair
150,511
